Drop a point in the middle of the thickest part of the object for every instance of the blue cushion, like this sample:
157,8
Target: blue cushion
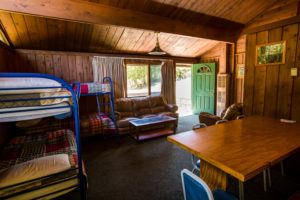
198,163
193,190
221,195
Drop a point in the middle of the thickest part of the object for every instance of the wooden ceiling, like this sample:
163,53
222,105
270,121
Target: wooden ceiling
29,32
44,33
241,11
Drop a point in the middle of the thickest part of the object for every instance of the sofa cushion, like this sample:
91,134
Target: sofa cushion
156,101
141,106
124,107
158,109
233,111
125,122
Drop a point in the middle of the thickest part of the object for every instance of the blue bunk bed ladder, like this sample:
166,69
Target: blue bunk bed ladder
110,104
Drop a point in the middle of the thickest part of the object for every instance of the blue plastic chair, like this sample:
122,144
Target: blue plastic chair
194,188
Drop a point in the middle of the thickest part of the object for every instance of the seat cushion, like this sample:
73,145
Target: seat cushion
125,122
148,116
222,195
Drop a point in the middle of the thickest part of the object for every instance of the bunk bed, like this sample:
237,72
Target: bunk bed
101,122
40,166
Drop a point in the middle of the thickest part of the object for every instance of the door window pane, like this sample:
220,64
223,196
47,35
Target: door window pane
155,76
137,80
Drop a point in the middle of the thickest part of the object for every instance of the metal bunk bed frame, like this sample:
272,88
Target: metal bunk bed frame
74,109
111,103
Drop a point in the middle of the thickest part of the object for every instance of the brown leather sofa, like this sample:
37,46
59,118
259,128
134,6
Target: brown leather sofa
127,109
230,113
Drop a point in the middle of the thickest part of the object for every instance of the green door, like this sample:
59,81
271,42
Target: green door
203,88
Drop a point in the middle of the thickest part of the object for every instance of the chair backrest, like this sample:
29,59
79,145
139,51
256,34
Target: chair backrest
194,188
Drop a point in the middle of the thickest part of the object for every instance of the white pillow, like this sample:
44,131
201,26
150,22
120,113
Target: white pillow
33,169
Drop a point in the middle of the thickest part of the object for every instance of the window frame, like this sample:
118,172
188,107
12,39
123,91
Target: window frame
3,35
141,63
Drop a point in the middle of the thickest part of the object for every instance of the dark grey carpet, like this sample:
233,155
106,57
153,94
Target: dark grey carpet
151,171
185,123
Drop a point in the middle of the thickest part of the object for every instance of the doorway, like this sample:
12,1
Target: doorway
203,84
183,89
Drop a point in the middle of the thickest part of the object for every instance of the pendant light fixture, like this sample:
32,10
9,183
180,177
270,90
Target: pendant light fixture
157,50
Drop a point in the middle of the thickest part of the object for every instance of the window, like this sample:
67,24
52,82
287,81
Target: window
155,79
3,38
143,80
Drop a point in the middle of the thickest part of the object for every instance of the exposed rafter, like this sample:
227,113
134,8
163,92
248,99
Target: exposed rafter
211,28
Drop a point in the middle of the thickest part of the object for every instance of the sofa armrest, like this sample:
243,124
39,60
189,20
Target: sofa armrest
172,107
117,115
208,118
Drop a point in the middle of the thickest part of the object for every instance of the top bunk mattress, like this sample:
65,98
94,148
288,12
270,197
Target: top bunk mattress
7,83
18,101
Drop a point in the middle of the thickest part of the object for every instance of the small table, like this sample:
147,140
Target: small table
138,127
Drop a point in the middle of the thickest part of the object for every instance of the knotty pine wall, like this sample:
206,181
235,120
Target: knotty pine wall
240,57
6,58
270,90
71,67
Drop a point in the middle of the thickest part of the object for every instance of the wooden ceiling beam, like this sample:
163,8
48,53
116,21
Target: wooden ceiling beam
177,59
213,28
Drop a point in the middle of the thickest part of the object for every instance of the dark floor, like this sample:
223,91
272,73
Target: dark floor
151,170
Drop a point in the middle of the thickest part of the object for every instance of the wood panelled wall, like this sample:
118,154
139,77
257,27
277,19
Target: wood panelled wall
240,57
6,58
270,90
72,67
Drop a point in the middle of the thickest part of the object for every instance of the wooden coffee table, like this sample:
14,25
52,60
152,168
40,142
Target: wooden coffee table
138,128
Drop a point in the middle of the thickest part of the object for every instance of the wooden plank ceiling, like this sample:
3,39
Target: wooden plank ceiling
33,32
30,32
241,11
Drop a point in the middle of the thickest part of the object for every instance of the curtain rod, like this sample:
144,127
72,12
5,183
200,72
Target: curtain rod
162,59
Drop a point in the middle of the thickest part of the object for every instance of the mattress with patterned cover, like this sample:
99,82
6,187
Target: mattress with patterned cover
28,147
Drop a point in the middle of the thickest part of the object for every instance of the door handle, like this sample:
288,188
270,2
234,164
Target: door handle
212,94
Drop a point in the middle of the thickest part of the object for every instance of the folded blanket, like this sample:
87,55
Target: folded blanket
94,87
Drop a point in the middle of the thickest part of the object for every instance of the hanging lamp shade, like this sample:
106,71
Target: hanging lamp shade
157,50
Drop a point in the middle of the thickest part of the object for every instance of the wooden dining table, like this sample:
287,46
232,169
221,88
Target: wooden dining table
241,148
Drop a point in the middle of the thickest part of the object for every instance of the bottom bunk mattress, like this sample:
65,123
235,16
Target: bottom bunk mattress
60,110
32,151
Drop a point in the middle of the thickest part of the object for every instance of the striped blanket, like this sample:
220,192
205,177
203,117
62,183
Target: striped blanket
94,87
